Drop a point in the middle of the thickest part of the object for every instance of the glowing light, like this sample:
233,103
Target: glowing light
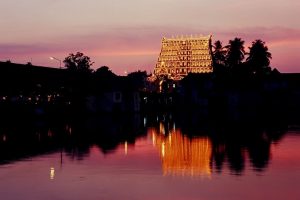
153,138
145,121
49,98
162,128
52,173
53,58
125,148
163,149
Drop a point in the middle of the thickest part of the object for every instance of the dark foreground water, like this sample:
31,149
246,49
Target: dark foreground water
156,157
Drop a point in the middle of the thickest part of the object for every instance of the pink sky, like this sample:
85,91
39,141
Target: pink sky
126,35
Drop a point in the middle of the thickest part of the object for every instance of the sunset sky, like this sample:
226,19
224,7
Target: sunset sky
126,35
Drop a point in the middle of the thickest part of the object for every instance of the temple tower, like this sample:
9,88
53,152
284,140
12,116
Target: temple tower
182,55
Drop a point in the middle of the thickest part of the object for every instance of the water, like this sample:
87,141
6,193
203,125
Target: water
147,158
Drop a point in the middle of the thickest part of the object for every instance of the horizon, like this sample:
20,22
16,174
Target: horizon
126,36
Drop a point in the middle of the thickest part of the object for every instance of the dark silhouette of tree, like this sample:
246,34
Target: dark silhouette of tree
104,79
235,52
104,72
275,71
79,78
219,57
138,79
138,73
78,62
259,57
219,53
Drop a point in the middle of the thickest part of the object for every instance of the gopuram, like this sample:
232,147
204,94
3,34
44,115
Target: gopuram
180,56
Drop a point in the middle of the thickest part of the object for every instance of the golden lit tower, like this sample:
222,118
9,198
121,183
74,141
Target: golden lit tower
182,55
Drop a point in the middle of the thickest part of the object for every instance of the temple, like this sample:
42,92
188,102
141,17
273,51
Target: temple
180,56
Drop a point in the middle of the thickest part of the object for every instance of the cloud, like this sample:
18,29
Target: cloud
268,34
123,40
140,45
17,49
143,39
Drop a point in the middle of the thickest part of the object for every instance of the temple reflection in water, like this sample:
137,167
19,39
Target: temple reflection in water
191,148
180,155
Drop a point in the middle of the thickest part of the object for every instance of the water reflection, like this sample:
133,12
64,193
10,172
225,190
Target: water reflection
52,173
194,147
187,146
181,155
242,146
29,137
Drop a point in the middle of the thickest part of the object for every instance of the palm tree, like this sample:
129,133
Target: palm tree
235,52
219,53
259,57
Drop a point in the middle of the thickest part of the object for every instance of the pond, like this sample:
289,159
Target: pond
148,157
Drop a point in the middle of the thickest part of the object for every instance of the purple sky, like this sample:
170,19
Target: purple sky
126,35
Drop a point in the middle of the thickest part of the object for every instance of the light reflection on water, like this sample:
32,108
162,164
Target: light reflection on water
181,155
117,159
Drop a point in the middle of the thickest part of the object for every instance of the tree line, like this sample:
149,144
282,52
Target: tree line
233,58
229,59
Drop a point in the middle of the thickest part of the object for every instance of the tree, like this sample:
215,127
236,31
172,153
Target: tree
219,53
219,57
78,62
137,78
235,52
103,79
259,57
104,72
138,75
